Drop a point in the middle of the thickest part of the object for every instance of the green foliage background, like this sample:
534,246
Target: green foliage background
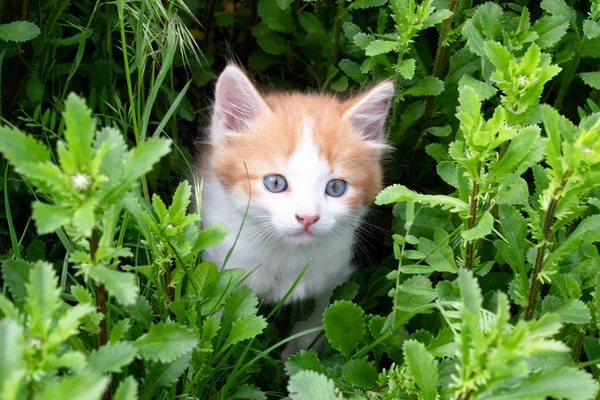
479,281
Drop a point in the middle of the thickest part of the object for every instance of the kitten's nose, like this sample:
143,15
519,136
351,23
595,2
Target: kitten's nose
307,220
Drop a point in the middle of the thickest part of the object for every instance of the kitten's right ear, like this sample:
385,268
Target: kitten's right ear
237,102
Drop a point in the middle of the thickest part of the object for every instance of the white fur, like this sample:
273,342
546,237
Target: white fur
269,236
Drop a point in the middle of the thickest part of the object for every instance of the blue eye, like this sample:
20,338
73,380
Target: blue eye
275,183
335,187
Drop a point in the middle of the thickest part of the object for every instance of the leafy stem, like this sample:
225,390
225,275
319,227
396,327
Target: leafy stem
541,252
336,31
102,337
472,221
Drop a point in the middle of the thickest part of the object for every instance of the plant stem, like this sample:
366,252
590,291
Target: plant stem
439,65
102,337
472,221
336,30
588,363
541,252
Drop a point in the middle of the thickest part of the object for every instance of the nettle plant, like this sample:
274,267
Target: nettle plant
63,341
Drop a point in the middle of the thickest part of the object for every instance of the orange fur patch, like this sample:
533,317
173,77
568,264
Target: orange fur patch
273,137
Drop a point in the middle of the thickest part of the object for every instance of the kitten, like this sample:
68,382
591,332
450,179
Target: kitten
314,166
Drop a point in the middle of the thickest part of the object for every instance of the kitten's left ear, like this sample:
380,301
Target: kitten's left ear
367,114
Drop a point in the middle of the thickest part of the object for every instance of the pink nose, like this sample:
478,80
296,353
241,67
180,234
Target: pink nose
307,220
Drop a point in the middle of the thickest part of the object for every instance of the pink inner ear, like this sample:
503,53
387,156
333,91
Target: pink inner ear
237,101
369,114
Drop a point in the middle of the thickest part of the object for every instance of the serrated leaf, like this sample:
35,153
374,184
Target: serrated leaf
15,274
482,89
377,47
20,149
483,228
43,298
112,357
48,218
428,86
558,382
275,17
242,303
362,40
19,31
127,390
344,326
550,30
516,151
436,17
304,360
80,130
249,392
469,290
361,4
591,78
570,312
352,69
244,328
474,38
12,343
360,373
79,387
272,43
165,374
34,88
68,324
397,193
202,279
406,68
422,368
559,8
591,29
587,231
122,285
310,385
165,342
210,236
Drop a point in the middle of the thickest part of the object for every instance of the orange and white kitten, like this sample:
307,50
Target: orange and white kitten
314,166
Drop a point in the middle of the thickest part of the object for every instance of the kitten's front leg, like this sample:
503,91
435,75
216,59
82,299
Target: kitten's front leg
315,320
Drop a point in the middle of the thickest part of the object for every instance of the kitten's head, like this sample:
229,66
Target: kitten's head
313,161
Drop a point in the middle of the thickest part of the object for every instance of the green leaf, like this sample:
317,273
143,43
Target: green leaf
498,55
558,382
48,218
360,373
344,326
165,374
34,88
275,17
514,229
202,280
79,387
363,40
550,30
273,43
469,290
482,89
591,78
84,218
12,343
15,274
436,17
352,69
587,231
19,31
474,38
310,385
43,298
165,342
242,303
284,4
304,360
341,84
570,312
112,357
360,4
79,132
516,151
249,392
428,86
561,9
244,328
406,68
127,390
422,368
377,47
210,236
591,29
122,285
143,157
397,193
68,324
20,149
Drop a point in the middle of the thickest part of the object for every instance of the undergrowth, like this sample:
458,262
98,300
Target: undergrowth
480,280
